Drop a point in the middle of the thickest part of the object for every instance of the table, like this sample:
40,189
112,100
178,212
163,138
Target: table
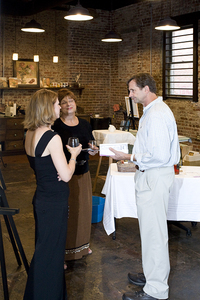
181,138
107,137
184,201
118,136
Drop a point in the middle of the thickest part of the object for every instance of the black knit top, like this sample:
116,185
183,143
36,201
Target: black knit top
83,131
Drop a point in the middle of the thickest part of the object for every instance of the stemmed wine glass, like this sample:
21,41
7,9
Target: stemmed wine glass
92,144
73,142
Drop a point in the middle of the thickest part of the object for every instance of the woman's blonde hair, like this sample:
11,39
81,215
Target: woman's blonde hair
40,110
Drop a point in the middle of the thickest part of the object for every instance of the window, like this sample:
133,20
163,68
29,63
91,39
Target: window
180,64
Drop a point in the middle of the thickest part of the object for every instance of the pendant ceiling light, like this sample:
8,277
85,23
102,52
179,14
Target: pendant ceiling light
15,54
78,13
55,57
36,57
112,37
167,24
32,26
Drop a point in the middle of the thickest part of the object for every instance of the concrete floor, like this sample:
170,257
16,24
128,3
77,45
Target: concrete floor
102,275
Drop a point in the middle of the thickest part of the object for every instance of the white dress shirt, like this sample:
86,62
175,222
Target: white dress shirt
157,143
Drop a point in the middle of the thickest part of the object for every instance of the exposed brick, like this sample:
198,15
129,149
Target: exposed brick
104,68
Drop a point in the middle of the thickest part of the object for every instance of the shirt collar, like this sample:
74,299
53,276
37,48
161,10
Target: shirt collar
157,100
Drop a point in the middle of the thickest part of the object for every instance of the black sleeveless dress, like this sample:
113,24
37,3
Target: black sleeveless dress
46,274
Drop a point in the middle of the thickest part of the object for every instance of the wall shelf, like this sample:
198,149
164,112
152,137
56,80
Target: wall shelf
38,88
79,89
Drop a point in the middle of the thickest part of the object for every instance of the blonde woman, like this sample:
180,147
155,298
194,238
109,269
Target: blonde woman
46,157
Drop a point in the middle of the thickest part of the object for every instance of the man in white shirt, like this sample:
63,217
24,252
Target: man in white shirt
155,152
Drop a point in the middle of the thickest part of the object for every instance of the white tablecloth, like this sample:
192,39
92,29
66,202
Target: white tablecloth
118,136
184,202
181,138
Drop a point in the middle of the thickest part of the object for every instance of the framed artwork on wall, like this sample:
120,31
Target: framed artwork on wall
27,73
13,82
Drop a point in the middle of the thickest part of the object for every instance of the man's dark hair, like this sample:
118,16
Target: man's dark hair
143,79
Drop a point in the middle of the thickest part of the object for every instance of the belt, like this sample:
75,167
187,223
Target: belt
136,166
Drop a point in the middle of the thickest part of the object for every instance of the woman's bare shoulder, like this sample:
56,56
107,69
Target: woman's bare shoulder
55,141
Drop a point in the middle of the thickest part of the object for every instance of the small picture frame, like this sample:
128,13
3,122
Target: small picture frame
13,82
3,82
27,72
46,82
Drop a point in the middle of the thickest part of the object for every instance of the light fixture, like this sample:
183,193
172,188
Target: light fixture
167,24
78,13
112,36
32,26
55,57
36,56
15,55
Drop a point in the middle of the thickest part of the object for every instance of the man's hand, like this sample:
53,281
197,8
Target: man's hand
119,155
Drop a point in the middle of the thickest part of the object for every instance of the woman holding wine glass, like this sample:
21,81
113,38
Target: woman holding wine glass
80,199
50,202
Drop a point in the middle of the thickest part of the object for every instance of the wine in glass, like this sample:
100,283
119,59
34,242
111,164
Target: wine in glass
73,142
92,144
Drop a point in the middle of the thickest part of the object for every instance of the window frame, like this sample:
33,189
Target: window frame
184,23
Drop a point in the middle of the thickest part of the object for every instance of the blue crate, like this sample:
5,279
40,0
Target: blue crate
97,208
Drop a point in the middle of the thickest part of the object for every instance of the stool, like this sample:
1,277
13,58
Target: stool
1,157
5,212
13,234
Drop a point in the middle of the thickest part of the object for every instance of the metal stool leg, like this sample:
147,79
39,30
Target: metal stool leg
1,160
12,240
11,225
3,267
19,244
114,233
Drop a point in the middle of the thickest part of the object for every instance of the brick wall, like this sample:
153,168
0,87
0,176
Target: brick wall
104,67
